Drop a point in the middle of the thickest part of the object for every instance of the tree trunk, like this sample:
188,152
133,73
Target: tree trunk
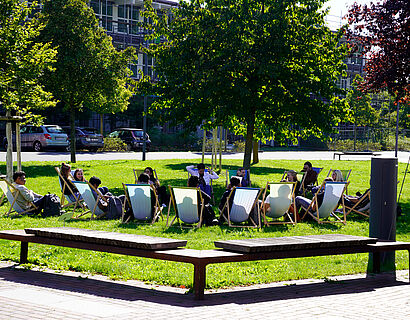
249,141
255,151
72,133
354,144
9,155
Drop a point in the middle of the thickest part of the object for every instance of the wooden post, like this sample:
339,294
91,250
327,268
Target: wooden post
102,124
220,148
203,146
9,155
18,146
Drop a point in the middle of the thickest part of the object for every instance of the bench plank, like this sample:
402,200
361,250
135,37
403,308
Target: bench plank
108,238
293,243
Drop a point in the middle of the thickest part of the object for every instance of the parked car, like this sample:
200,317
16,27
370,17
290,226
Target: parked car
87,138
42,137
132,137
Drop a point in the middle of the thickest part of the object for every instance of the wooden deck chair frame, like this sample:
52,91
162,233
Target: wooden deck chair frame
92,208
255,203
315,208
137,173
286,212
7,188
302,189
212,187
355,209
174,205
77,203
229,175
157,209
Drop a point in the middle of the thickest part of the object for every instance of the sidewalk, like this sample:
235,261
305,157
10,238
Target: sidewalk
33,294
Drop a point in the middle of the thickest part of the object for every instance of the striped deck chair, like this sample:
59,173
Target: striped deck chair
11,194
281,197
233,173
244,201
333,194
77,202
186,201
137,173
86,192
139,198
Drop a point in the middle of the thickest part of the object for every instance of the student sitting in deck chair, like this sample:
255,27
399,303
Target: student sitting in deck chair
244,208
205,177
25,199
141,201
208,214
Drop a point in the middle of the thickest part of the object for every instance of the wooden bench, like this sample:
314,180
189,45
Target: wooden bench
354,153
243,250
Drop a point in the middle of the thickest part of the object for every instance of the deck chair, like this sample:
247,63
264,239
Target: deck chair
185,201
362,206
345,173
209,191
8,189
281,197
86,193
303,189
137,173
138,197
232,173
78,202
244,201
333,194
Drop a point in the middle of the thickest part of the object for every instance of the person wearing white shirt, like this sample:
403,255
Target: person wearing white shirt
203,176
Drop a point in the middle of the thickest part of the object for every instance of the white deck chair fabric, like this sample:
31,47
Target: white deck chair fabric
333,193
186,201
140,198
280,198
85,190
6,190
242,204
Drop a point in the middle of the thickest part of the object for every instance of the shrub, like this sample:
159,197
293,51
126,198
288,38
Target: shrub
114,144
239,146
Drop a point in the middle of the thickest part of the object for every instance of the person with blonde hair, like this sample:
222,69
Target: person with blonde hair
337,176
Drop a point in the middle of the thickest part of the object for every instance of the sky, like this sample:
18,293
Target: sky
339,8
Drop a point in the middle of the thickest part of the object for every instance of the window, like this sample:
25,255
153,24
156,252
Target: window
122,23
95,5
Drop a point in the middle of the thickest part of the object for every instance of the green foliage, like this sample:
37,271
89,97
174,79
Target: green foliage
90,72
239,146
42,178
22,61
114,144
260,67
360,105
182,140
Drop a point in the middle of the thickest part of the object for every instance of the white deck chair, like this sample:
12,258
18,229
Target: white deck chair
63,185
138,197
281,197
185,201
137,173
7,188
85,190
244,201
333,194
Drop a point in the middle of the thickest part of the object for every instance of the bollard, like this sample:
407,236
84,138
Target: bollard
382,221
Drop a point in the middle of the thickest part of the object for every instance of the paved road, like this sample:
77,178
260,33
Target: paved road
32,294
271,155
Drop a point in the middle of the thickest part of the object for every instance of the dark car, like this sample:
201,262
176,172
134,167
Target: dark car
87,138
132,137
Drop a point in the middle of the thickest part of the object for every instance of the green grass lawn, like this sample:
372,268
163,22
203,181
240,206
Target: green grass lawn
42,178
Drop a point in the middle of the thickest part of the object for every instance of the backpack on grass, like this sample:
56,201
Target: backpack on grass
52,205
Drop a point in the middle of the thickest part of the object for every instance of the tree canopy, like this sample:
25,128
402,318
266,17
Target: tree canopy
383,30
90,72
268,68
22,61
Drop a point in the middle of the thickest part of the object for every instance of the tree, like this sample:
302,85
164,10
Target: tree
383,31
22,63
264,68
90,72
363,114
